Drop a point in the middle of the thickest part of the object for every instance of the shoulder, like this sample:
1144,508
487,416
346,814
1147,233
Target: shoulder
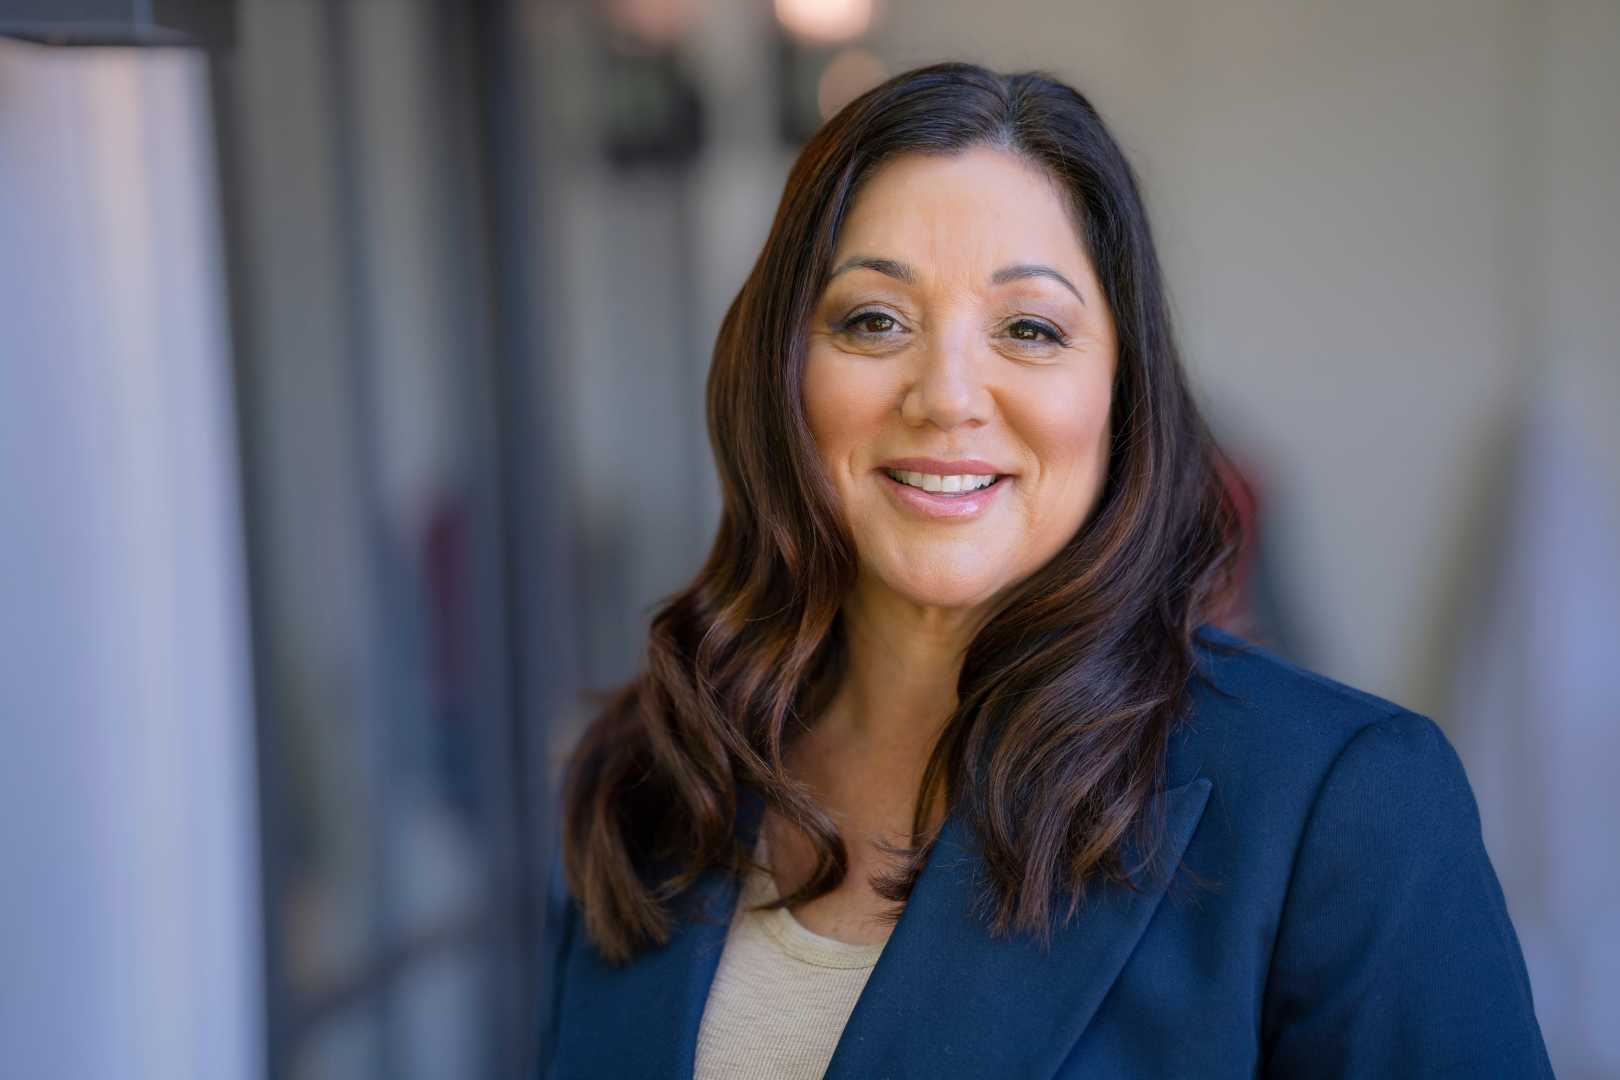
1241,680
1343,826
1280,743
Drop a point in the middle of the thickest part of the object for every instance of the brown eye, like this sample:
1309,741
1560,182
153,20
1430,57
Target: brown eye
870,322
1029,330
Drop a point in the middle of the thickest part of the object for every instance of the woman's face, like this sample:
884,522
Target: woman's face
963,336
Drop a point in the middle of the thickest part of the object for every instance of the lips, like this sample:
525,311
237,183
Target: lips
945,466
944,506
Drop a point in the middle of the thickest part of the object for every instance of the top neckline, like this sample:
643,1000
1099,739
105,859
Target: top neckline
792,936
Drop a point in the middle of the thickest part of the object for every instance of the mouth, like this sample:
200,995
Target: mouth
951,485
944,497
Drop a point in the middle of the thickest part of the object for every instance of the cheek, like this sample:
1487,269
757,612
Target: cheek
1068,431
844,405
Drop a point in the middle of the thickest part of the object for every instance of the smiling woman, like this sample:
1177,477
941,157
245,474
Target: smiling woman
919,754
963,356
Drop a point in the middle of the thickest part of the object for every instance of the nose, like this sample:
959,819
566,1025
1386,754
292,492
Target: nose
947,388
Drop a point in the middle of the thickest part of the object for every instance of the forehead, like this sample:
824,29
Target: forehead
967,212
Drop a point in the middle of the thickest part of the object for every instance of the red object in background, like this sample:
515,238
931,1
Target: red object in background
1240,613
446,562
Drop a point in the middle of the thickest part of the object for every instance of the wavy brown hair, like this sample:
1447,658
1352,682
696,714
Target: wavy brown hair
1067,696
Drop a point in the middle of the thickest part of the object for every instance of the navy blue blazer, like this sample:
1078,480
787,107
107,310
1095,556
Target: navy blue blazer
1351,925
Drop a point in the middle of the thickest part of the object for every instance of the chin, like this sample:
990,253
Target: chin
965,592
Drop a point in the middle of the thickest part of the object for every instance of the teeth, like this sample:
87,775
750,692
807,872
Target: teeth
943,484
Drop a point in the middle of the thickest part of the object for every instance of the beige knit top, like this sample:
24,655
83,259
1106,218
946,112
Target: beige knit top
781,994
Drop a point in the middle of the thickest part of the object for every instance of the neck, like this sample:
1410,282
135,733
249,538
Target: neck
899,686
865,755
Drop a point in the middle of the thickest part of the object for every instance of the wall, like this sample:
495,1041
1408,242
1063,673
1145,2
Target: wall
1384,224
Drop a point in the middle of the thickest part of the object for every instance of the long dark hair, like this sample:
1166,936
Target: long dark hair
1067,695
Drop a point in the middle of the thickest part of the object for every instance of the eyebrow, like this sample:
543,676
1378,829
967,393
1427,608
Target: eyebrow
890,267
901,272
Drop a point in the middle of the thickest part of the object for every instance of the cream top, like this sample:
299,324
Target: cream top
781,994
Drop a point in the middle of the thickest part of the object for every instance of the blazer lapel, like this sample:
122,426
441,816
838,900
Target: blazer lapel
947,999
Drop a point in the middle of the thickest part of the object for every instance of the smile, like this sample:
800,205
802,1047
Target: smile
940,497
947,485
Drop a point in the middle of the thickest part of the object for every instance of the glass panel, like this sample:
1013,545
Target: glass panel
442,1014
348,1048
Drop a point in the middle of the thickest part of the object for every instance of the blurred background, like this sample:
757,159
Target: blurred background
351,425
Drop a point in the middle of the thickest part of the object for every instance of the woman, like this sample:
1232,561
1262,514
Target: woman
939,768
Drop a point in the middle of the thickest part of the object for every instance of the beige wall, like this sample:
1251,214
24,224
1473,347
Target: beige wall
1383,222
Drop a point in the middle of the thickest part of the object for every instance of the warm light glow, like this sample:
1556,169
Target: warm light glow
825,20
846,77
655,22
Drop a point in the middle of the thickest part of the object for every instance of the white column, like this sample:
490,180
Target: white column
130,920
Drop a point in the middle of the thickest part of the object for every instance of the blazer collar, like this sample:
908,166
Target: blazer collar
944,999
947,999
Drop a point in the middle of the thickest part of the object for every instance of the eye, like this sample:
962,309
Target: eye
870,323
1033,332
